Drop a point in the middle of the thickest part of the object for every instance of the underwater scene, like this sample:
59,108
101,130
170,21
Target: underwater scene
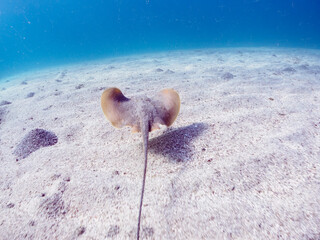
149,119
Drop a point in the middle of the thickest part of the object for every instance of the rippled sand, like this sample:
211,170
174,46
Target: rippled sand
242,160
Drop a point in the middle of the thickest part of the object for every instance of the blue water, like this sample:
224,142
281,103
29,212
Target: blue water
40,33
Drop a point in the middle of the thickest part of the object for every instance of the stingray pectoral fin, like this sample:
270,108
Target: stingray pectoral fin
116,108
171,103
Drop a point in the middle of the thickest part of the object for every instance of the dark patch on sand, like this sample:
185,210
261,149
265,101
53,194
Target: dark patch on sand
61,76
315,69
2,114
10,205
30,95
57,93
97,89
53,206
80,230
24,83
66,178
169,71
147,232
3,103
113,231
47,108
304,67
55,176
289,70
227,76
32,223
79,86
108,68
33,141
159,70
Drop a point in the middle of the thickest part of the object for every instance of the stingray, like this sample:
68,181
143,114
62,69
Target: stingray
143,115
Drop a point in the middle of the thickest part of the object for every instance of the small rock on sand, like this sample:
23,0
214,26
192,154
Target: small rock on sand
159,70
34,140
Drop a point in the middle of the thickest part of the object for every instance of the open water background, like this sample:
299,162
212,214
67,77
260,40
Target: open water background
41,33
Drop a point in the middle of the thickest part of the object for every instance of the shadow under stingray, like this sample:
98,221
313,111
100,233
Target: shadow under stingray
176,144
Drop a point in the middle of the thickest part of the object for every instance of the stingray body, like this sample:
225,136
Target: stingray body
144,115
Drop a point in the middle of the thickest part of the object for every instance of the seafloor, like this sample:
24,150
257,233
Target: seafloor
242,160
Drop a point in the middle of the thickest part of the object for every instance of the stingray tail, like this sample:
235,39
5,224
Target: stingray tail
145,135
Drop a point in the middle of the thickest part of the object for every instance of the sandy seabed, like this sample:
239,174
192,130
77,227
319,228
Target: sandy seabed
242,160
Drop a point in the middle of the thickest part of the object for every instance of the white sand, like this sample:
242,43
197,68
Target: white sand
241,161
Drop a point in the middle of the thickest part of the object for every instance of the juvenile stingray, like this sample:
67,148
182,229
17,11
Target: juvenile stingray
144,115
